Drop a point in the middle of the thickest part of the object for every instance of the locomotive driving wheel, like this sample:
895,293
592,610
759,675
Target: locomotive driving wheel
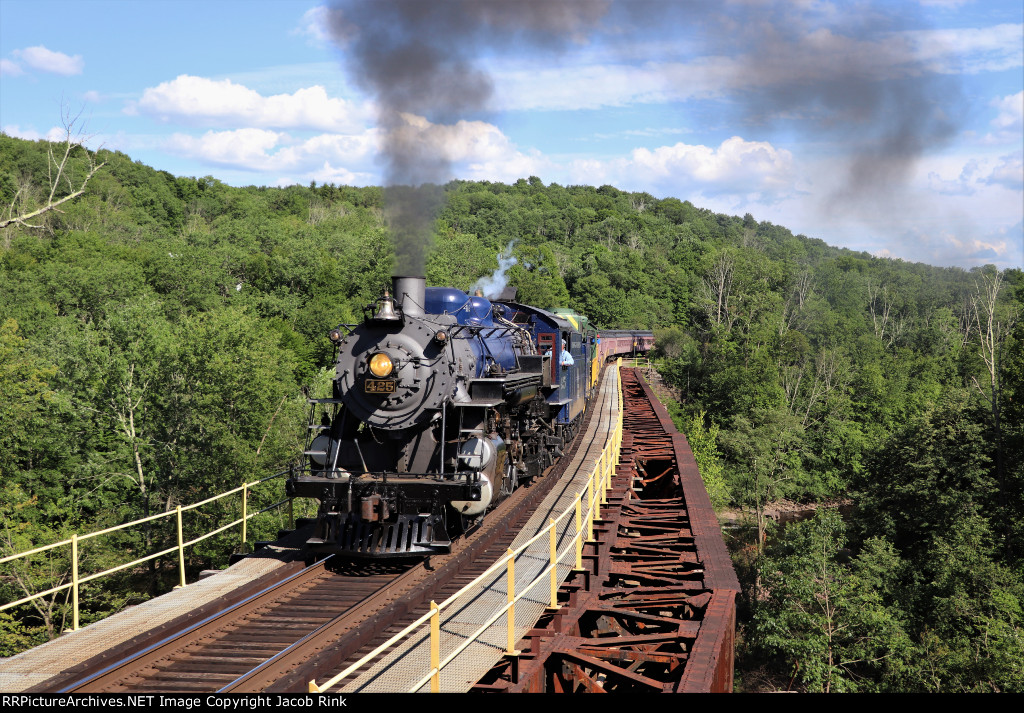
510,479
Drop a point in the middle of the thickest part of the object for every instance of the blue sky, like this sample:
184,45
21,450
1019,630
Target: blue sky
895,128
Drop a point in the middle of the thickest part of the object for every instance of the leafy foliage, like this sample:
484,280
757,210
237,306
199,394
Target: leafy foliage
831,619
158,335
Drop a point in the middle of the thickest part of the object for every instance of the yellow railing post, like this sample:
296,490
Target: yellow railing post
312,687
590,510
579,534
435,648
74,582
245,503
511,651
181,550
553,551
602,476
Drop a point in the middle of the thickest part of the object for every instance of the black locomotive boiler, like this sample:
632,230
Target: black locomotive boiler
442,404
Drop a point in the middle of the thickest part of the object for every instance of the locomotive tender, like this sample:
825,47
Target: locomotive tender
442,404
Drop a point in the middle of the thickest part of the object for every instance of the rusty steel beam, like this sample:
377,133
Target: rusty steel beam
655,608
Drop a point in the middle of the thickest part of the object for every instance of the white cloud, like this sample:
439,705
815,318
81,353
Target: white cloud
246,148
276,152
585,81
1005,171
55,133
10,68
315,25
198,100
465,140
477,149
945,247
964,185
948,4
327,173
755,169
49,61
18,132
590,86
351,151
754,164
1011,112
1009,172
970,49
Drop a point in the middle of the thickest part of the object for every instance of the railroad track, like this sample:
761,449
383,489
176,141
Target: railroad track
218,648
296,626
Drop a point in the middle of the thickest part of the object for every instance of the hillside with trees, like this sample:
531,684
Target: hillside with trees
159,335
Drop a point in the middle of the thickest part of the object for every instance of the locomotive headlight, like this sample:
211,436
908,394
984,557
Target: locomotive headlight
381,365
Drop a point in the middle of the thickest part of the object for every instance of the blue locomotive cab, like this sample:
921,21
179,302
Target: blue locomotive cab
559,340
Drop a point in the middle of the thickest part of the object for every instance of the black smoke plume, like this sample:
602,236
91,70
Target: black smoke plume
852,74
847,74
858,82
420,59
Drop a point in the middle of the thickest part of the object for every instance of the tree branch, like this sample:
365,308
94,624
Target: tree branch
57,171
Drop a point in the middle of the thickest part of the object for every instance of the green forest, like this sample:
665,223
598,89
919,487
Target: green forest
159,336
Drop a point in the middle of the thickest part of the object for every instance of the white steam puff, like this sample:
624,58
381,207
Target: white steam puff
493,285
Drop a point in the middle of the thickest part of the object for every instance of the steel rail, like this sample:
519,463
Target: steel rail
97,680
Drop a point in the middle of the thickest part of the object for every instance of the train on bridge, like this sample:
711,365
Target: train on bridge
442,404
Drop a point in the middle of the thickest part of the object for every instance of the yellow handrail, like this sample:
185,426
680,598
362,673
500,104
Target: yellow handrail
77,580
599,478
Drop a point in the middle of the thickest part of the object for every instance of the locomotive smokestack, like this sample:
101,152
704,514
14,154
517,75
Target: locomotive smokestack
411,294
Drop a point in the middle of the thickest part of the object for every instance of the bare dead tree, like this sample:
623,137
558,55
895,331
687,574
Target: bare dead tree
803,287
879,305
828,377
716,289
59,153
992,325
795,301
888,323
992,328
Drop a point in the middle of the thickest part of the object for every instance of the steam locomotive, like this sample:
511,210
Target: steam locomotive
443,403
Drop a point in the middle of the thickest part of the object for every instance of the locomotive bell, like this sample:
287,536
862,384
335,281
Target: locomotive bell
386,309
